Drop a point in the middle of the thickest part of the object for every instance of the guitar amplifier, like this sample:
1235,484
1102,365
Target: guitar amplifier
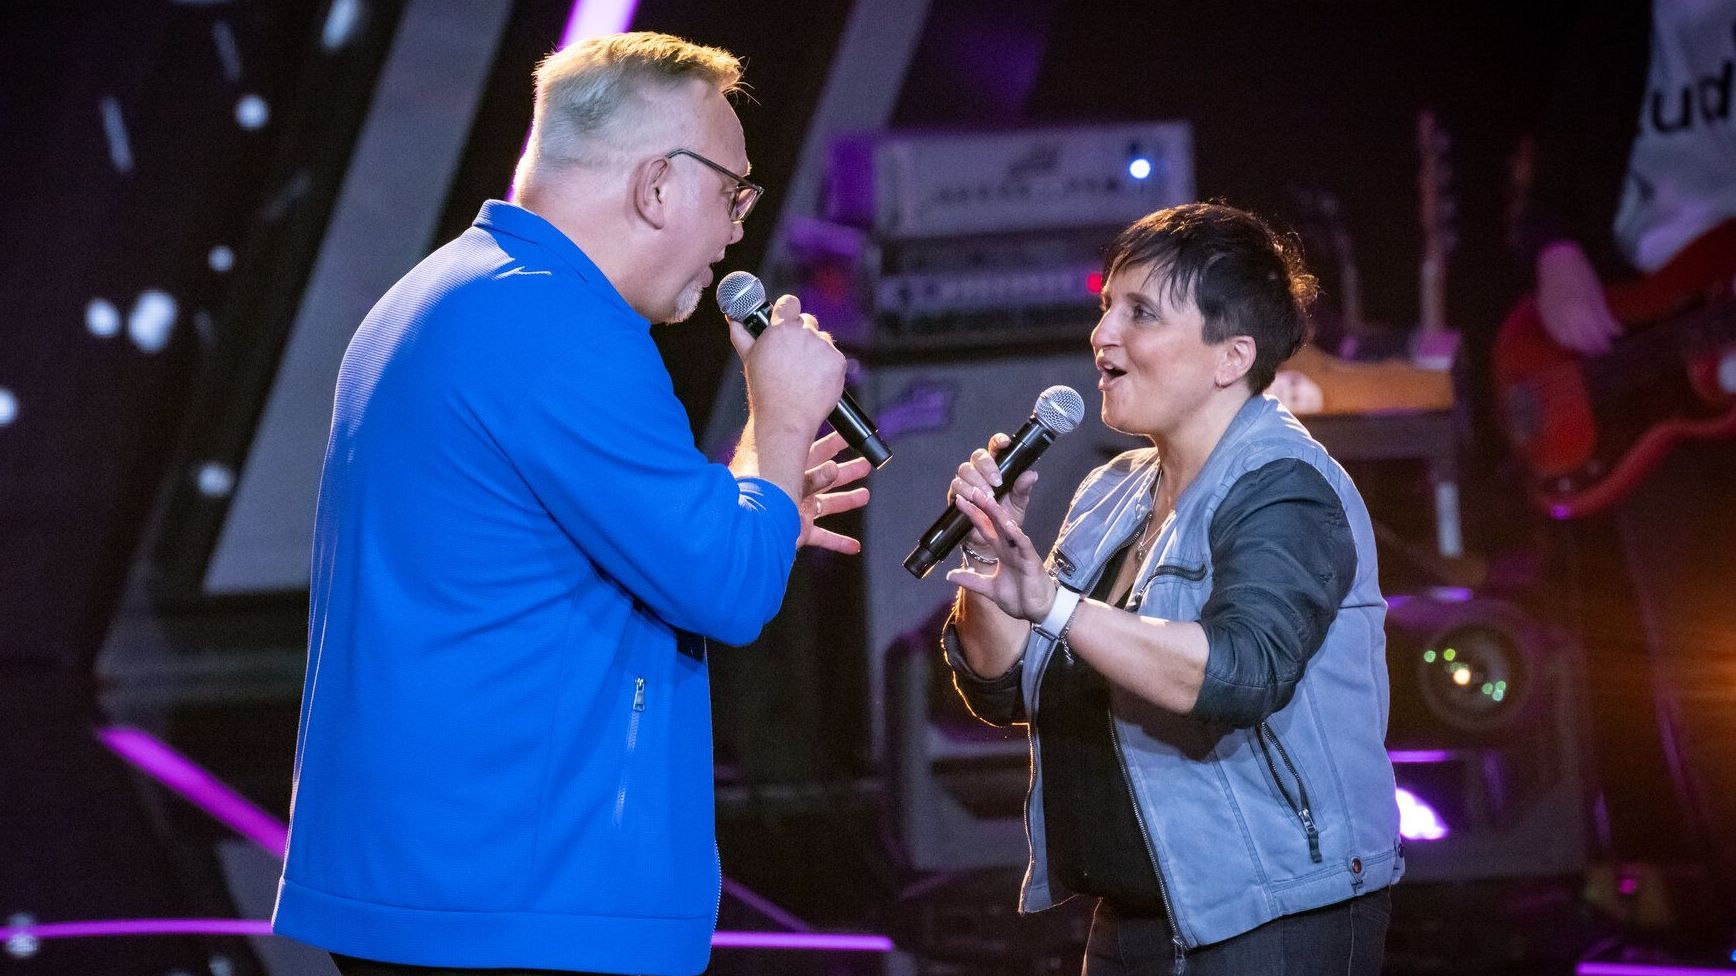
995,238
910,185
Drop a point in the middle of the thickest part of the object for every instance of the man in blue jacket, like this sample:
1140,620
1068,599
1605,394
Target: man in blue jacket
504,755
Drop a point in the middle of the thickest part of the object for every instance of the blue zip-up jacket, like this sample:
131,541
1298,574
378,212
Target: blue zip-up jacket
1220,797
504,756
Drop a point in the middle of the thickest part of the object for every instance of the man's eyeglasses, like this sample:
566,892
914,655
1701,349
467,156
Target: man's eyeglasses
744,196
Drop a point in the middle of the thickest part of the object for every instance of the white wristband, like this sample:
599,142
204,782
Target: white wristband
1054,625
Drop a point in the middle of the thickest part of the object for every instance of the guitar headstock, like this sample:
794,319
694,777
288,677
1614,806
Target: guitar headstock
1437,207
1433,345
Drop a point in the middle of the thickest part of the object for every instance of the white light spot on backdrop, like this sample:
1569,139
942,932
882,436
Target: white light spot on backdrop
252,112
341,22
114,128
1727,372
102,318
8,407
151,320
222,258
216,480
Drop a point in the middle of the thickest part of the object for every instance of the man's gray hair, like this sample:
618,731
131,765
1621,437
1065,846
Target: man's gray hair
581,92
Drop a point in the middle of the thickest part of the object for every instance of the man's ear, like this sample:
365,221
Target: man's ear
652,191
1235,359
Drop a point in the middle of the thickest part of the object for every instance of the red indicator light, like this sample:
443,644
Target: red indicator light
1094,283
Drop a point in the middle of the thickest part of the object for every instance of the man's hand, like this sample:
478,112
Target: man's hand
794,378
1570,300
819,499
794,373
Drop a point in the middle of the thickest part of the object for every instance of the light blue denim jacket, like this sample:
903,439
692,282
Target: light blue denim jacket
1234,841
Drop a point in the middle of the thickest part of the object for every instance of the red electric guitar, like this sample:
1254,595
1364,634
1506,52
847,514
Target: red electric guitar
1588,429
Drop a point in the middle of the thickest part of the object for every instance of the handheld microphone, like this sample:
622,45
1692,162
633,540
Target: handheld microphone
1059,409
742,297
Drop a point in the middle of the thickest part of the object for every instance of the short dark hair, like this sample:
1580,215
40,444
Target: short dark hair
1245,278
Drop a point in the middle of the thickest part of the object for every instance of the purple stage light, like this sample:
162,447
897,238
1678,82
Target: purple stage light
1420,756
1416,819
811,941
198,786
594,18
138,926
816,941
587,19
1646,969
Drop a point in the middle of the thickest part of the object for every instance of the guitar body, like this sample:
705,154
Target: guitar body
1587,430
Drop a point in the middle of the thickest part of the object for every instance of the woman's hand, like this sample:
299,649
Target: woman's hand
981,472
1016,581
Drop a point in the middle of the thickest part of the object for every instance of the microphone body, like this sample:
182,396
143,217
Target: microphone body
950,529
847,418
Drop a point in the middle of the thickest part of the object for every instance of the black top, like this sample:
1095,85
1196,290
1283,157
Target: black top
1095,843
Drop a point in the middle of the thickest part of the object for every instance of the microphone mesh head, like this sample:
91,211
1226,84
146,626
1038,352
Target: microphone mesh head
739,294
1060,408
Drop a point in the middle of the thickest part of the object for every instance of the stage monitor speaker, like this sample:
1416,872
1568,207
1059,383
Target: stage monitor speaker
957,784
1487,737
933,414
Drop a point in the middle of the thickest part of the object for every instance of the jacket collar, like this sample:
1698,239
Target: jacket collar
512,220
1098,530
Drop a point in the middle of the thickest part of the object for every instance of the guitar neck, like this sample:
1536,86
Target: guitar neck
1431,291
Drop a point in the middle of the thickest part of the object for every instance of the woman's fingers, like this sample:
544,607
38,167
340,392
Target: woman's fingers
985,465
970,503
966,579
1009,540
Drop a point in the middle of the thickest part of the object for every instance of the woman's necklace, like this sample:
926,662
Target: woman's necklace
1147,537
1142,545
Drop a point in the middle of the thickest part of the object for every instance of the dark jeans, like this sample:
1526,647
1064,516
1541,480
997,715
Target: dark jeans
351,966
1679,538
1346,939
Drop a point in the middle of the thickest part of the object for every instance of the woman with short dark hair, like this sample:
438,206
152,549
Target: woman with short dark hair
1201,658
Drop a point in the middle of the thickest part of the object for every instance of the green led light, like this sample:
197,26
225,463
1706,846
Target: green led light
1498,695
1500,686
1449,654
1488,689
1428,657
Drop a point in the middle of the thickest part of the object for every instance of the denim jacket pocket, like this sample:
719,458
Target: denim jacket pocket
1171,584
1286,777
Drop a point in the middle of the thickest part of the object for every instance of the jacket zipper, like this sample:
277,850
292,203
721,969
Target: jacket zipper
1304,811
1190,573
632,744
1151,853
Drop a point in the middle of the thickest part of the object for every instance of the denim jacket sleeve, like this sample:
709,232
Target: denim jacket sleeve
1283,559
997,701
